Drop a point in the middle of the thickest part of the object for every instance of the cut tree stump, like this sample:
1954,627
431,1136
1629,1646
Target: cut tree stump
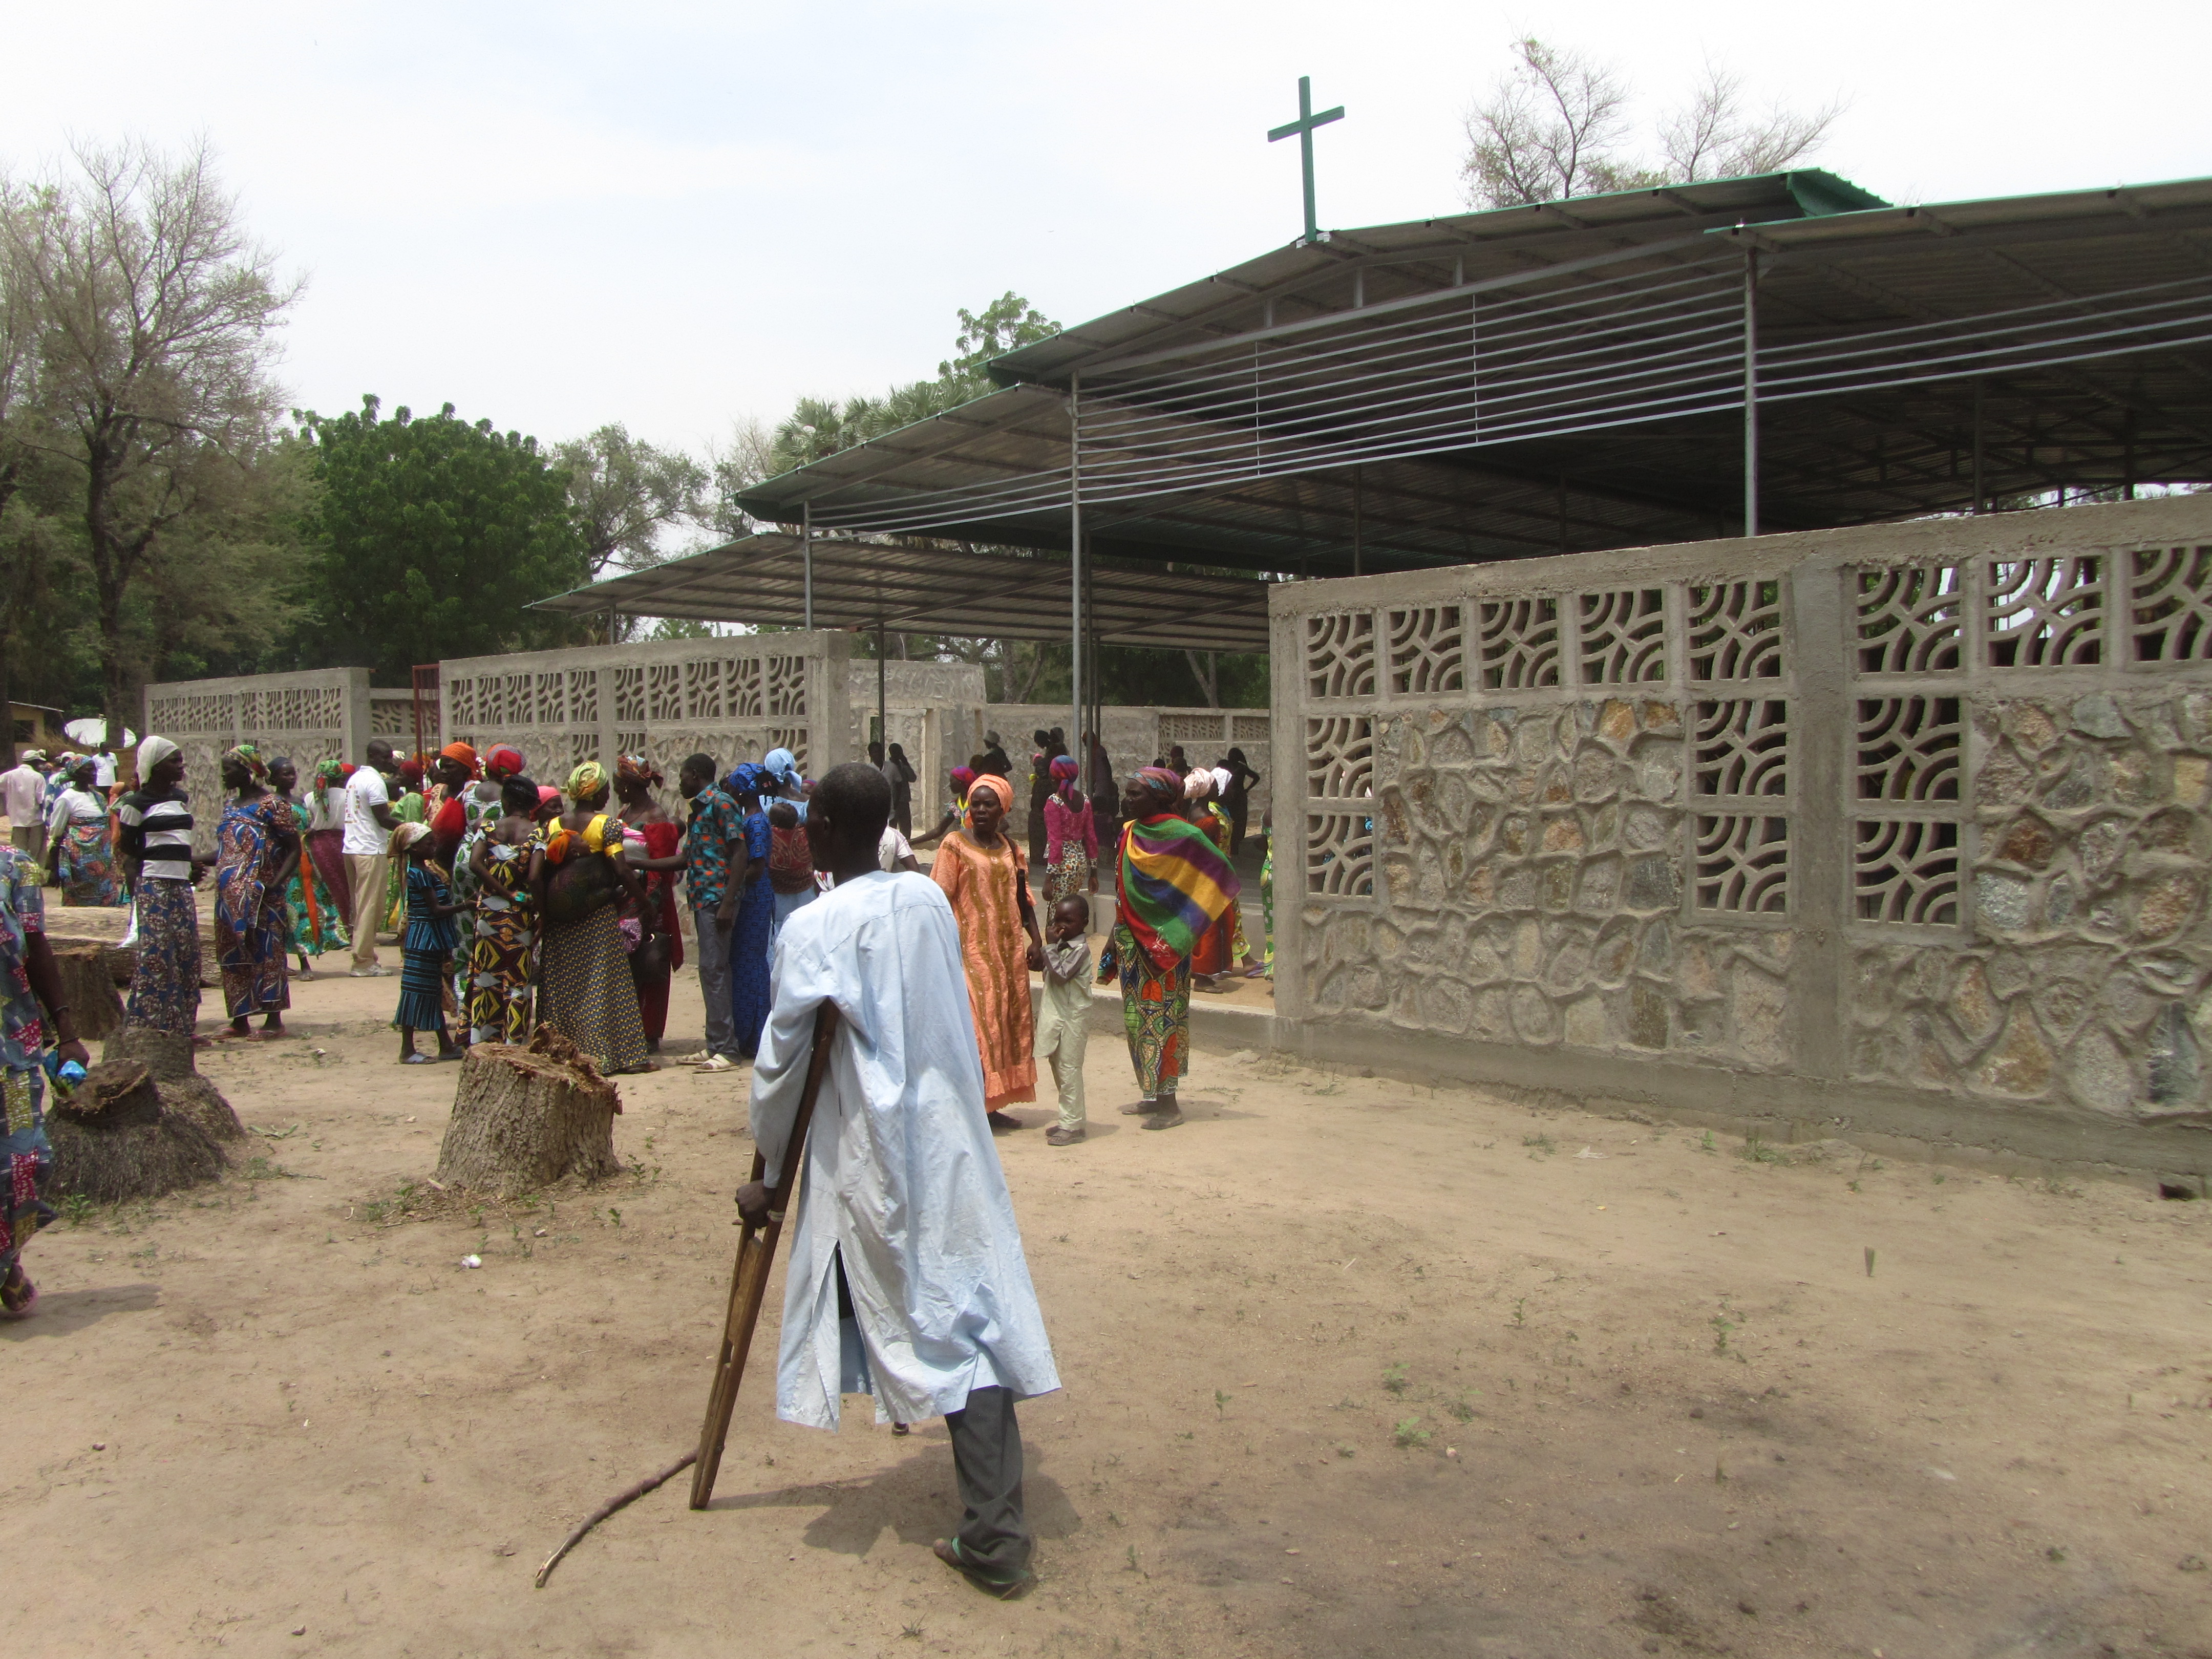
523,1118
88,987
137,1127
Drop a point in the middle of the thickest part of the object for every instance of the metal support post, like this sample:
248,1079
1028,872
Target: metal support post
1751,391
806,556
1980,500
883,716
1359,506
1075,570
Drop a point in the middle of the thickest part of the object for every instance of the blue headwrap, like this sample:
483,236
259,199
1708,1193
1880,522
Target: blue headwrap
745,778
781,765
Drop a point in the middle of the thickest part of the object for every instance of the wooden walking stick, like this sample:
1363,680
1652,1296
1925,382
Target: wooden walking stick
749,1282
756,1255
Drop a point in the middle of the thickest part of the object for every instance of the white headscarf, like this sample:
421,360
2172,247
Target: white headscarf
1221,780
152,752
1198,785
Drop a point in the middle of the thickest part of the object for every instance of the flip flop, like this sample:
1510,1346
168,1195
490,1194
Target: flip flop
416,1059
1004,1586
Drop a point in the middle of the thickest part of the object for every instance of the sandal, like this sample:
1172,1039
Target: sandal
18,1297
1166,1120
1004,1586
416,1059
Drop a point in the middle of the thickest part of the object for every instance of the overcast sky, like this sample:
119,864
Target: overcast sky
674,215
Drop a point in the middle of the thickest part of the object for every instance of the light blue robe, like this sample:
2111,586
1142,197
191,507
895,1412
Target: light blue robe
901,1171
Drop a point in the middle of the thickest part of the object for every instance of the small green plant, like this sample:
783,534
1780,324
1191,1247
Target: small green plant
1347,1451
1707,1144
1408,1434
614,1215
1722,1326
1187,1434
1519,1311
1756,1151
1853,1185
1939,1177
1220,1404
76,1209
1460,1410
1133,1565
1393,1379
2056,1553
910,1632
1539,1143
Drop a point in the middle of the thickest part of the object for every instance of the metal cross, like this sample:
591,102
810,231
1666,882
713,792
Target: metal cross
1304,126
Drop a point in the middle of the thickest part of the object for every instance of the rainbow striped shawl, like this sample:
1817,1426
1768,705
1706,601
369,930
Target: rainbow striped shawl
1174,884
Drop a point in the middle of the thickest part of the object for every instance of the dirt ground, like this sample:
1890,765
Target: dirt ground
1351,1368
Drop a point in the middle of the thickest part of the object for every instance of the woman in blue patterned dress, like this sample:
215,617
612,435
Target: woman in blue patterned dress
756,923
79,842
257,852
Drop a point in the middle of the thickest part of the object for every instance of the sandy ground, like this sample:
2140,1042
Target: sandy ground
1351,1368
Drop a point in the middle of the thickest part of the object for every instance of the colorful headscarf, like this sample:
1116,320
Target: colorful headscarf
635,768
781,765
1163,783
998,786
746,779
1173,884
547,796
588,781
245,755
331,773
406,836
462,753
963,779
411,774
503,761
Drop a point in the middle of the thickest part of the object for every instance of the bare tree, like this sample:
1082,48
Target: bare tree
1205,669
156,313
748,456
1712,137
1556,126
625,493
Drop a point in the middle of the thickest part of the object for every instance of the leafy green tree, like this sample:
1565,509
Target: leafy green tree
155,316
434,534
626,494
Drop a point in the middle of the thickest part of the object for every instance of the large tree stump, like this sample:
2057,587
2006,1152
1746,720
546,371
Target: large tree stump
88,987
523,1118
126,1133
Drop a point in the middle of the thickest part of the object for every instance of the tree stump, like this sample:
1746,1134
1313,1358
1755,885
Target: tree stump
124,1134
523,1118
88,987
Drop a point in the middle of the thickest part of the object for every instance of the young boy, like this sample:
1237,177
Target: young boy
426,946
1061,1031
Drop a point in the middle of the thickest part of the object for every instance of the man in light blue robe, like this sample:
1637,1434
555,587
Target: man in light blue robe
906,1279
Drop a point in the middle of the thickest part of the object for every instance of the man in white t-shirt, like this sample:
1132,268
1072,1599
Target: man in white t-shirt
23,797
893,852
103,770
369,822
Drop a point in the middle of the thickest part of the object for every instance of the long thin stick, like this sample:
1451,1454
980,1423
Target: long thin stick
629,1494
749,1280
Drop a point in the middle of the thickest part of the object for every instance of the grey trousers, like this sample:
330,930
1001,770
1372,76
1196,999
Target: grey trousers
715,982
32,839
987,1459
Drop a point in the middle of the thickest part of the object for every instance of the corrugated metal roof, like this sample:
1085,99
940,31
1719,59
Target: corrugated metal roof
1831,282
862,585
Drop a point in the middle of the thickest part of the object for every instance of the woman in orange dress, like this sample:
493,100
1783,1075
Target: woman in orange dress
985,879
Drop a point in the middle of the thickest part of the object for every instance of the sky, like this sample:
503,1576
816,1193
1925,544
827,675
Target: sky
678,216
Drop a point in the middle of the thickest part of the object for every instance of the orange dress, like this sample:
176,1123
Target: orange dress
994,948
1217,947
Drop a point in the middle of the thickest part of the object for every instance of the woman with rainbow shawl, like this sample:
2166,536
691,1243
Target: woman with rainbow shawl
1171,884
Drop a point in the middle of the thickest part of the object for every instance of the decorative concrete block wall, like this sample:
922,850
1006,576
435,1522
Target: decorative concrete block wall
733,698
1904,825
310,717
931,709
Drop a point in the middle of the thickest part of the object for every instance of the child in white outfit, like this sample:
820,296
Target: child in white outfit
1062,1031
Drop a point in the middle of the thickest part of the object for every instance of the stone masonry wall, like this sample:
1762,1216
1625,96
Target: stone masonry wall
1895,818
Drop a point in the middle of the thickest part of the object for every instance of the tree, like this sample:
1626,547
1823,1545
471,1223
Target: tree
1556,126
434,534
625,493
155,315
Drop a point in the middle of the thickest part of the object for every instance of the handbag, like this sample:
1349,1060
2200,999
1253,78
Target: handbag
650,960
